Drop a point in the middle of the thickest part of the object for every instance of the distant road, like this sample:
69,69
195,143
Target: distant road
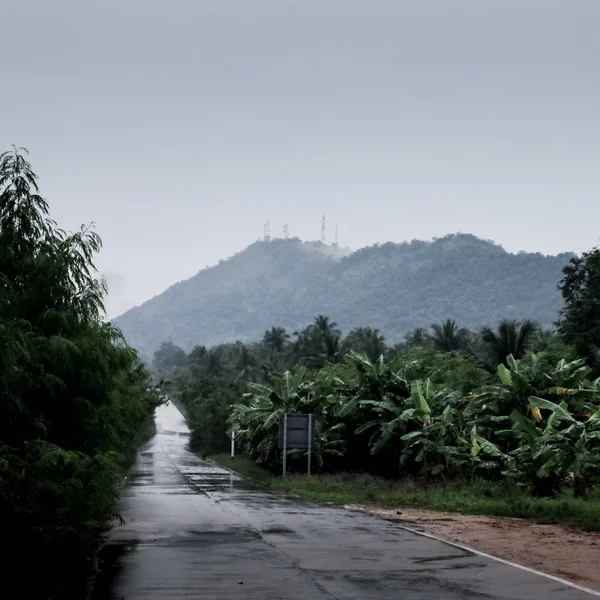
196,531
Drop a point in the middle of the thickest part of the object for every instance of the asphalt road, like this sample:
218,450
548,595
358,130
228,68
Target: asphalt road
196,531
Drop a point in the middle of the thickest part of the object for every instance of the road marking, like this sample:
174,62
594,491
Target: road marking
500,560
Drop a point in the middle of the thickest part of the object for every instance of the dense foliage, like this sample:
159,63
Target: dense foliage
535,425
392,287
511,401
580,318
73,396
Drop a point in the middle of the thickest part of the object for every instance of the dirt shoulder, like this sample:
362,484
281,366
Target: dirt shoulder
553,549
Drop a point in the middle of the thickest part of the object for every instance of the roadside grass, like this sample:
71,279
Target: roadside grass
244,466
477,497
473,497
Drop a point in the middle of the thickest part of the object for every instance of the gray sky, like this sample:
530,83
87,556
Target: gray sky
180,127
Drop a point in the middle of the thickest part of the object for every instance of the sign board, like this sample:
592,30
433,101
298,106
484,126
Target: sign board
298,427
296,432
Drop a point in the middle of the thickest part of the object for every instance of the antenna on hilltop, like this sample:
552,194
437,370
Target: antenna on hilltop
336,236
267,232
323,234
286,231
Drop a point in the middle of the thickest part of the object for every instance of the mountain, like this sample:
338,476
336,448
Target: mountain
395,287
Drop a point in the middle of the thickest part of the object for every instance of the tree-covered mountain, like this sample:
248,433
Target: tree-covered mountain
393,287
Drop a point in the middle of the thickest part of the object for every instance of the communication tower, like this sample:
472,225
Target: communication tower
267,232
336,243
286,231
323,233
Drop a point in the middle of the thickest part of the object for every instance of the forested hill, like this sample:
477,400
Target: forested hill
394,287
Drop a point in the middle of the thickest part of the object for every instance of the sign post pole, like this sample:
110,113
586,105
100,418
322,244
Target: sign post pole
232,443
284,443
310,425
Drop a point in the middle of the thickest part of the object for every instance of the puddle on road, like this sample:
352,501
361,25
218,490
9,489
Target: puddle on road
237,537
278,530
442,557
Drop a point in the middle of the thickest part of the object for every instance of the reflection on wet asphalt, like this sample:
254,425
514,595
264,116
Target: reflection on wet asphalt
196,531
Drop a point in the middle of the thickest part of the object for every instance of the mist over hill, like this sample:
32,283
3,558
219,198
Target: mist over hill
394,287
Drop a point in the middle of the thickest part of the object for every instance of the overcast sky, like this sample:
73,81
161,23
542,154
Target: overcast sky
180,127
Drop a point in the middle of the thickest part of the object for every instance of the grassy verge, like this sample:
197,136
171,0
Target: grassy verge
476,498
244,466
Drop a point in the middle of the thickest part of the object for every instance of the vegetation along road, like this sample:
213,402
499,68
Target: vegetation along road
196,530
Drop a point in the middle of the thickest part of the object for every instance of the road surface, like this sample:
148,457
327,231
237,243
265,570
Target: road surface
196,531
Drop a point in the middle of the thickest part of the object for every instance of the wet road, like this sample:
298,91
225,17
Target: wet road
196,531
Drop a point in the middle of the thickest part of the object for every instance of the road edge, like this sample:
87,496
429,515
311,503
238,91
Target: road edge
466,548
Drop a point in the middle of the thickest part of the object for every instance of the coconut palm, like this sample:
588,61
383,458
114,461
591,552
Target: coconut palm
246,364
449,337
510,338
276,339
367,341
318,343
325,326
417,337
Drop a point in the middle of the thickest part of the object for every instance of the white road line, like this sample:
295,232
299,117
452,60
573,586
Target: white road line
500,560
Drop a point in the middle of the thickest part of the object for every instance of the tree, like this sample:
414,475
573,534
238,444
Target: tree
325,326
417,337
197,355
449,370
207,413
75,397
168,357
318,343
256,421
276,342
276,339
214,362
367,341
579,321
510,338
246,365
449,337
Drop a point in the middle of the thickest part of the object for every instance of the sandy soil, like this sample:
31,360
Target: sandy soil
553,549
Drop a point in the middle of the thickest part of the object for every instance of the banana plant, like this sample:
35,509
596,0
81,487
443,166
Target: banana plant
327,442
393,413
255,421
493,405
445,443
564,445
374,382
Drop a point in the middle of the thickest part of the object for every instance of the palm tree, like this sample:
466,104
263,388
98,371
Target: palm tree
328,337
544,339
449,337
331,345
325,326
245,364
319,342
367,341
276,340
417,337
510,338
